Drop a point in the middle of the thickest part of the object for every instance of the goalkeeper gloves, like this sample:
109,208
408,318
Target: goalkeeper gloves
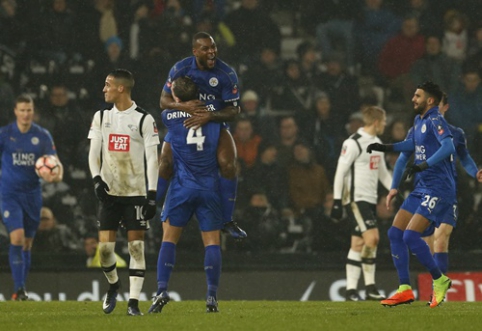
100,189
409,172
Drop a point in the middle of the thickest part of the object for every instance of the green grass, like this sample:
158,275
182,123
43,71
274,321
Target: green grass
242,315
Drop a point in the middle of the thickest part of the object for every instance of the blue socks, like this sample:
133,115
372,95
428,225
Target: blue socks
165,264
400,255
414,241
227,189
212,267
17,265
27,258
442,260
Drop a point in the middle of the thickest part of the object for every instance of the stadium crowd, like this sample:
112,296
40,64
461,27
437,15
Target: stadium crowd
305,67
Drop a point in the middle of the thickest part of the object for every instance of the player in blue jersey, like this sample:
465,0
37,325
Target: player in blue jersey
217,102
193,190
21,144
432,198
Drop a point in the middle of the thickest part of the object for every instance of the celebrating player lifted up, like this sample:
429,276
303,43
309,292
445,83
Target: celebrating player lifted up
432,198
218,102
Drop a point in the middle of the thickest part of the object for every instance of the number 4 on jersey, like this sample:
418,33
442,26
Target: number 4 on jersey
196,137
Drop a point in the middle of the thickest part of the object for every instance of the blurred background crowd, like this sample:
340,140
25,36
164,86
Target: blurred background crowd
305,67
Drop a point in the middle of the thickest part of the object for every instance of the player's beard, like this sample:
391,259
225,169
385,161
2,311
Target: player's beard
420,108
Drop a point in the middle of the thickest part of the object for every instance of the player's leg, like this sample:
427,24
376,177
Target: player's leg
212,267
371,237
353,268
400,257
228,182
137,263
166,169
165,263
441,246
412,237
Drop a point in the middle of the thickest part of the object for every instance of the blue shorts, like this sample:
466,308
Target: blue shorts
182,203
434,207
22,211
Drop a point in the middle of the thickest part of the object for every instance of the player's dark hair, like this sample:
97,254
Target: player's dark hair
24,98
125,76
185,89
200,35
433,90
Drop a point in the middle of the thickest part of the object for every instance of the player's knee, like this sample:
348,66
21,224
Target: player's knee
395,234
106,253
411,238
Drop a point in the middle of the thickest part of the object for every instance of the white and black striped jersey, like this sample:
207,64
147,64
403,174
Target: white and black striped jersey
357,172
124,135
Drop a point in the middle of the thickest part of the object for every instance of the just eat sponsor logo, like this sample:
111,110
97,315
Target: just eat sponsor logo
119,142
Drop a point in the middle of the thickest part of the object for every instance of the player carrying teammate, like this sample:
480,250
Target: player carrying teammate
217,101
193,190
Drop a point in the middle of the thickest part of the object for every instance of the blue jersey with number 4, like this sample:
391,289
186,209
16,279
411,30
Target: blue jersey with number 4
19,152
194,151
218,87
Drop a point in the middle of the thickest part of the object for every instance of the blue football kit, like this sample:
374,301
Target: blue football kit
194,186
20,186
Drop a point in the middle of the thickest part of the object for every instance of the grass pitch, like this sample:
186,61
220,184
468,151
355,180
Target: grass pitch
242,315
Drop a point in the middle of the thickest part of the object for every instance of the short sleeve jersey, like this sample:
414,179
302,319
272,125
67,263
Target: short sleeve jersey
124,135
19,153
218,87
194,151
427,134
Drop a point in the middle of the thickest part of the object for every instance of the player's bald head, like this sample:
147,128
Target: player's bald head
198,36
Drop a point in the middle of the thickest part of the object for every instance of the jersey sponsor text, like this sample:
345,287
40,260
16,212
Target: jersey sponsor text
119,142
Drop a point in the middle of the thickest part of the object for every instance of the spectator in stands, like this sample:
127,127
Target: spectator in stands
263,74
466,104
66,122
455,40
53,237
310,64
308,187
247,141
268,176
339,84
373,27
91,248
336,19
12,31
288,135
253,30
323,133
398,56
58,31
294,92
435,65
263,124
426,15
7,100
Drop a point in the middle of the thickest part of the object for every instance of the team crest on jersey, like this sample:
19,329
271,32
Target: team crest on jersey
440,129
343,150
119,142
155,127
6,214
424,128
235,89
35,141
213,82
132,127
169,82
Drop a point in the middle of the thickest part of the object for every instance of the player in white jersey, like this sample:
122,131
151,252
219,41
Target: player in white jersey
123,154
355,187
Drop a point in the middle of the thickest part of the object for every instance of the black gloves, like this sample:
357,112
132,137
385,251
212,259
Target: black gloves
410,171
379,147
149,208
337,210
100,188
